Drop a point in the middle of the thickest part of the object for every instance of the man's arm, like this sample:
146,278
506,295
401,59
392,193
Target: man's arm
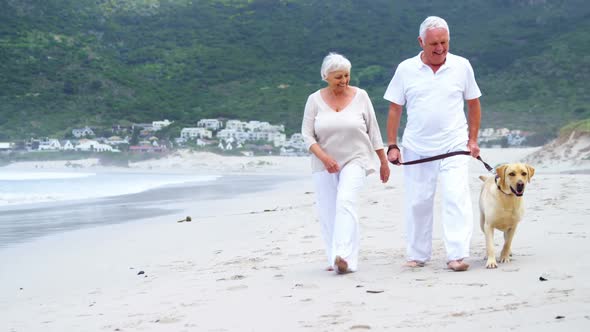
393,120
474,121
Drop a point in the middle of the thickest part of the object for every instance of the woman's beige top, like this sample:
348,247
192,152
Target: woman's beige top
349,136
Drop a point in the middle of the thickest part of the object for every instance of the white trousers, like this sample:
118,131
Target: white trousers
337,197
457,215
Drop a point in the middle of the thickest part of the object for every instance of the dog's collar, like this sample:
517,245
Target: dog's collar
512,190
496,180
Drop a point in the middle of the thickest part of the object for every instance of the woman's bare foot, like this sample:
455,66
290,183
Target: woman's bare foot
458,265
414,264
341,265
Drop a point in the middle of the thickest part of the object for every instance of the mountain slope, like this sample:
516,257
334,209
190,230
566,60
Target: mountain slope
66,63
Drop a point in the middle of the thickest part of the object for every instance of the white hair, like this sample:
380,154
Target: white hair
433,22
333,62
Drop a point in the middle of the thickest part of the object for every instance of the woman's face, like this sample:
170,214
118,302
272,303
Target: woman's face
338,79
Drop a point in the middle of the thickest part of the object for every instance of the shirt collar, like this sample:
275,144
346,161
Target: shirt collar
420,64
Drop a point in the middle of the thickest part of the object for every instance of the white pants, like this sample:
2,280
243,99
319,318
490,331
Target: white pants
457,215
337,196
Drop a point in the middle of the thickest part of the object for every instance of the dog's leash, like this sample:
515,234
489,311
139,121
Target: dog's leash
442,156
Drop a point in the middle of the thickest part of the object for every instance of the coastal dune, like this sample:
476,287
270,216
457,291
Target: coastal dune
255,262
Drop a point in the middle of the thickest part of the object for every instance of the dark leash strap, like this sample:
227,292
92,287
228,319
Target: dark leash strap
442,156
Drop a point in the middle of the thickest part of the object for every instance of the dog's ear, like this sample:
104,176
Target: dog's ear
531,171
501,171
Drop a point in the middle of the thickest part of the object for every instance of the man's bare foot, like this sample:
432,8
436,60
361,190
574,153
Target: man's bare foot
341,265
414,264
458,265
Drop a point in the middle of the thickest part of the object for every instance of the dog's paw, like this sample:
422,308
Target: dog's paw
491,263
505,259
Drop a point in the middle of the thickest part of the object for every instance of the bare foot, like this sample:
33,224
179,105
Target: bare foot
329,269
458,265
414,264
341,265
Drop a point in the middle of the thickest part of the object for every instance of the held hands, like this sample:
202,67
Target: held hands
473,148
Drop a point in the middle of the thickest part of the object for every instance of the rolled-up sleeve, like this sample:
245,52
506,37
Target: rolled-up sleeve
307,125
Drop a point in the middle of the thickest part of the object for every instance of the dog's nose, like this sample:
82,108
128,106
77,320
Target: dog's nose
520,187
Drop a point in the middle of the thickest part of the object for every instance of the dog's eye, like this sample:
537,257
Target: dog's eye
512,174
523,173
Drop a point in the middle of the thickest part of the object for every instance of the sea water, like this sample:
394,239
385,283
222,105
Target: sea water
37,203
27,187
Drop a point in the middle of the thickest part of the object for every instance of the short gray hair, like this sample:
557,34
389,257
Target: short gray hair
433,22
333,62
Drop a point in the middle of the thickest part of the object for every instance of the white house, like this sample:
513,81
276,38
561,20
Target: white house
92,145
236,125
51,144
5,146
67,146
157,125
226,134
278,139
82,132
192,133
296,142
212,124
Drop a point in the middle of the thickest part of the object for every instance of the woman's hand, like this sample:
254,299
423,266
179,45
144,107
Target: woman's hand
331,164
384,172
384,169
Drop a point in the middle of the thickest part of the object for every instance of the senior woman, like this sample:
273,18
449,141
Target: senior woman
341,131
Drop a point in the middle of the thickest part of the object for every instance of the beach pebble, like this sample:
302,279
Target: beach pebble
140,272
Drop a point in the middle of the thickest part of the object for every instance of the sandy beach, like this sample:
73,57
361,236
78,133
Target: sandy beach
255,262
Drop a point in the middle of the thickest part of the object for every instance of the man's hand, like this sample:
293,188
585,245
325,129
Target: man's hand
473,148
394,156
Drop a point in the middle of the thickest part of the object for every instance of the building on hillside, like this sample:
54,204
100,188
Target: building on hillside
67,146
49,144
116,140
82,132
158,125
198,132
236,125
211,124
118,129
5,147
226,134
93,146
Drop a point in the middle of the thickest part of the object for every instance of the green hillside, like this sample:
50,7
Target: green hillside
69,63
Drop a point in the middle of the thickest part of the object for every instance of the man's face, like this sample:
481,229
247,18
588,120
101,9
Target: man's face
435,46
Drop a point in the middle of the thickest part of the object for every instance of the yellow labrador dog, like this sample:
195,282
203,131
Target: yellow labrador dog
501,206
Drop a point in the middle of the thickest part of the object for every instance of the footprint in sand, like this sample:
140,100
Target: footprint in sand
238,287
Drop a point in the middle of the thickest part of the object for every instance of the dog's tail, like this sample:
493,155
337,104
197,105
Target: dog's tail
483,178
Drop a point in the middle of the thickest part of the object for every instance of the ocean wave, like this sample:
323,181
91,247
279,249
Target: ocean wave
20,176
40,187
